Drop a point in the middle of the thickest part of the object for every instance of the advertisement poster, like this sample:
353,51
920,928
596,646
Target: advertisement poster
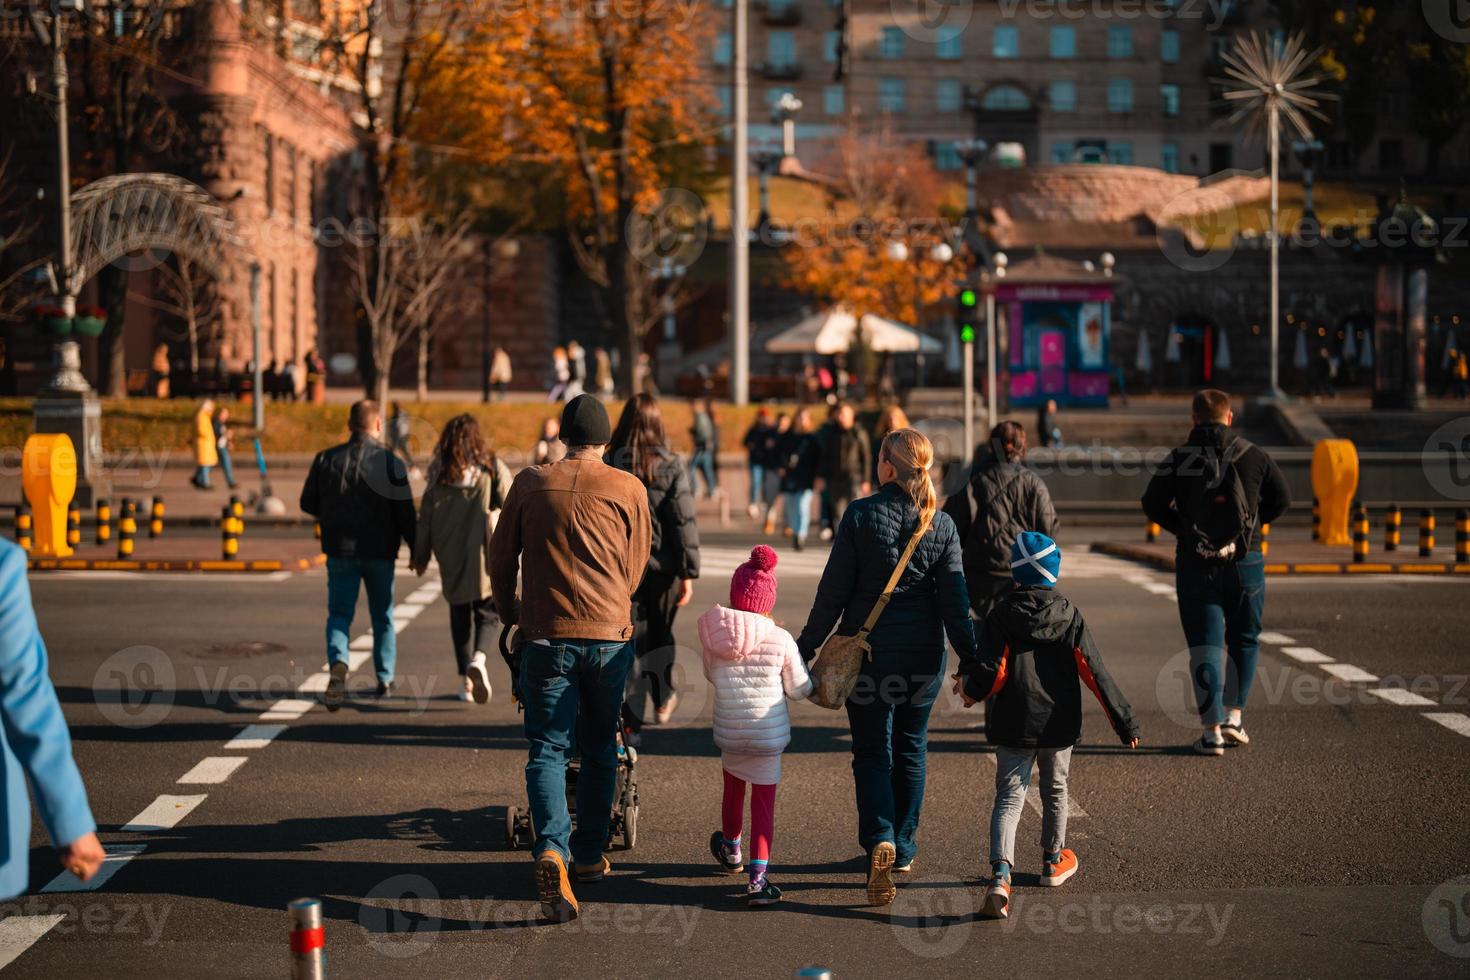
1090,336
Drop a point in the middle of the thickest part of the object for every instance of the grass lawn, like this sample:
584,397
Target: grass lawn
295,428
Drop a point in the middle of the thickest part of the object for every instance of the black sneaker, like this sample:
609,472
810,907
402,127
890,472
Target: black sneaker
763,893
1208,744
385,689
728,860
336,687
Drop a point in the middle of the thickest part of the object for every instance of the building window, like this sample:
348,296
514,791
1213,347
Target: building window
949,95
891,45
780,49
1169,158
778,6
1061,153
1169,47
946,157
1063,96
1120,41
291,181
890,94
1121,153
1064,42
725,101
268,148
1007,43
949,45
723,48
834,100
1170,99
1120,95
1005,98
830,43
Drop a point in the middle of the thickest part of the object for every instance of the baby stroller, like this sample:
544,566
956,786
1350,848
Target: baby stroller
624,820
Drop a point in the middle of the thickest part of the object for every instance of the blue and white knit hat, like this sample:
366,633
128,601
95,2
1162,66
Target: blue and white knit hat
1035,560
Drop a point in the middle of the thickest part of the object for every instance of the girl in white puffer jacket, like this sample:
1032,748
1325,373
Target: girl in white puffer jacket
754,666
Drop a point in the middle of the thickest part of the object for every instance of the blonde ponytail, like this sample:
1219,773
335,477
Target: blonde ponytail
911,455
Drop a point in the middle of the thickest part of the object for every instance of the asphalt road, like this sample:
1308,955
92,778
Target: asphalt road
1329,846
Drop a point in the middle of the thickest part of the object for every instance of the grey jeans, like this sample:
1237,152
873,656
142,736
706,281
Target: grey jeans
1012,780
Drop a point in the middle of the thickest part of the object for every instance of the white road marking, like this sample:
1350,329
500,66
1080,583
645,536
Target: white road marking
213,769
1279,639
287,709
117,856
1399,696
408,609
1457,723
357,658
1033,799
163,813
255,736
1307,655
1349,673
364,642
1158,588
315,684
19,933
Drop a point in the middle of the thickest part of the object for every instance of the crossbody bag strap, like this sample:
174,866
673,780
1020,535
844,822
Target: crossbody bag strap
903,562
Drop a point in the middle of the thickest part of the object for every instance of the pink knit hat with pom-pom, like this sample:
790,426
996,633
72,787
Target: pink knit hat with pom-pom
753,587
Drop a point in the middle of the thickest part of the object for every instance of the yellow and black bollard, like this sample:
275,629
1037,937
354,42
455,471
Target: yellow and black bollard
127,526
229,535
1265,540
104,521
1316,519
1391,527
1426,533
1462,536
1150,535
155,518
73,525
24,526
237,511
1360,533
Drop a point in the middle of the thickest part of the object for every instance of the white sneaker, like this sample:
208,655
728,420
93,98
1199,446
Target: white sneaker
1234,734
479,679
1208,744
753,510
826,534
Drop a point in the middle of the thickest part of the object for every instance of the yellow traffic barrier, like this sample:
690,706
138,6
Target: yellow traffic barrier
1391,528
1265,540
1426,533
127,526
24,526
1462,536
1360,533
104,522
229,536
317,529
48,475
1316,519
1151,534
1334,481
74,526
155,518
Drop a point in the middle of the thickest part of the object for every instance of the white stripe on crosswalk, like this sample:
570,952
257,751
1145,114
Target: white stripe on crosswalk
1399,696
1278,639
287,709
19,933
1349,673
163,813
255,736
213,769
364,642
1307,655
117,856
1457,723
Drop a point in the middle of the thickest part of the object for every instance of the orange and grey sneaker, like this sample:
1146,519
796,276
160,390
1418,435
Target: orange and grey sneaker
553,888
588,873
1057,868
881,889
997,901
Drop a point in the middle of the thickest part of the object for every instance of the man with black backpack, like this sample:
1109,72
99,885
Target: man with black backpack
1214,493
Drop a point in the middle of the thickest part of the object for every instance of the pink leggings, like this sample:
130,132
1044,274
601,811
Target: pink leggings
762,815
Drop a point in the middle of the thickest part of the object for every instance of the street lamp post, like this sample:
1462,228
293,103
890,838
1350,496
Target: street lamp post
1001,261
740,207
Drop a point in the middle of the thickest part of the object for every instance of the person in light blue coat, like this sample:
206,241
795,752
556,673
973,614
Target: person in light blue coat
34,743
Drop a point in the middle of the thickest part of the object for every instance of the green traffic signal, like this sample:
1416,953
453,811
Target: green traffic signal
967,334
967,297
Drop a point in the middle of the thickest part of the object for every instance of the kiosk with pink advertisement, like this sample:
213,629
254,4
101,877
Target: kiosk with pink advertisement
1056,316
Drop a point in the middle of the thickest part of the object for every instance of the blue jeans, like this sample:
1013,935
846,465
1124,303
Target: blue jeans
703,462
888,715
376,576
799,511
227,468
201,475
574,698
757,484
1220,607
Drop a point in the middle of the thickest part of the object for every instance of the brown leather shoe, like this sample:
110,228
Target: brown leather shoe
881,889
555,891
587,873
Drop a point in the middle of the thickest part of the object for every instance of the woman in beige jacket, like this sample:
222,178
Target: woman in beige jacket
467,486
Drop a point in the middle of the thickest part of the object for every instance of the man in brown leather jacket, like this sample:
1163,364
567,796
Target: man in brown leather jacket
580,534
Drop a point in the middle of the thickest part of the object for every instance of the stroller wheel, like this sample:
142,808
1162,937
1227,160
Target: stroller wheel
630,827
511,815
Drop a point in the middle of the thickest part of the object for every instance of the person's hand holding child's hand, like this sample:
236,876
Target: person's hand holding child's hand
959,689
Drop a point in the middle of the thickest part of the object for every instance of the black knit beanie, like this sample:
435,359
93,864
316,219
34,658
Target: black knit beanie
584,422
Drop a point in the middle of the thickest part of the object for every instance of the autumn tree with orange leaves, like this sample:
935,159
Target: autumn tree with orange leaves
599,107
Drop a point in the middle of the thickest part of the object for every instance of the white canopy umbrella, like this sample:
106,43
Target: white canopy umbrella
833,331
1172,353
1144,362
1365,359
1299,356
1222,352
1350,345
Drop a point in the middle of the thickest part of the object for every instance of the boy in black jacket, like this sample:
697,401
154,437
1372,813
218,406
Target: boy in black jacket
1035,653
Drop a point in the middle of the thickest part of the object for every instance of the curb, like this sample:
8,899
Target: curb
174,565
1166,563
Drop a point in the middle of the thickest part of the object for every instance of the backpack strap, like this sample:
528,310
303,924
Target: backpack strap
903,563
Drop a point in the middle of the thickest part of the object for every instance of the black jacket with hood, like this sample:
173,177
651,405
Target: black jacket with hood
1036,653
675,551
359,492
1003,499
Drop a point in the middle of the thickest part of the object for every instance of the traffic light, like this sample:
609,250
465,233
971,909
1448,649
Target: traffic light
968,302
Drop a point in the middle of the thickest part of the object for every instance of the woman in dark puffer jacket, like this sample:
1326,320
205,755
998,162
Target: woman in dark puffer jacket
888,712
641,447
